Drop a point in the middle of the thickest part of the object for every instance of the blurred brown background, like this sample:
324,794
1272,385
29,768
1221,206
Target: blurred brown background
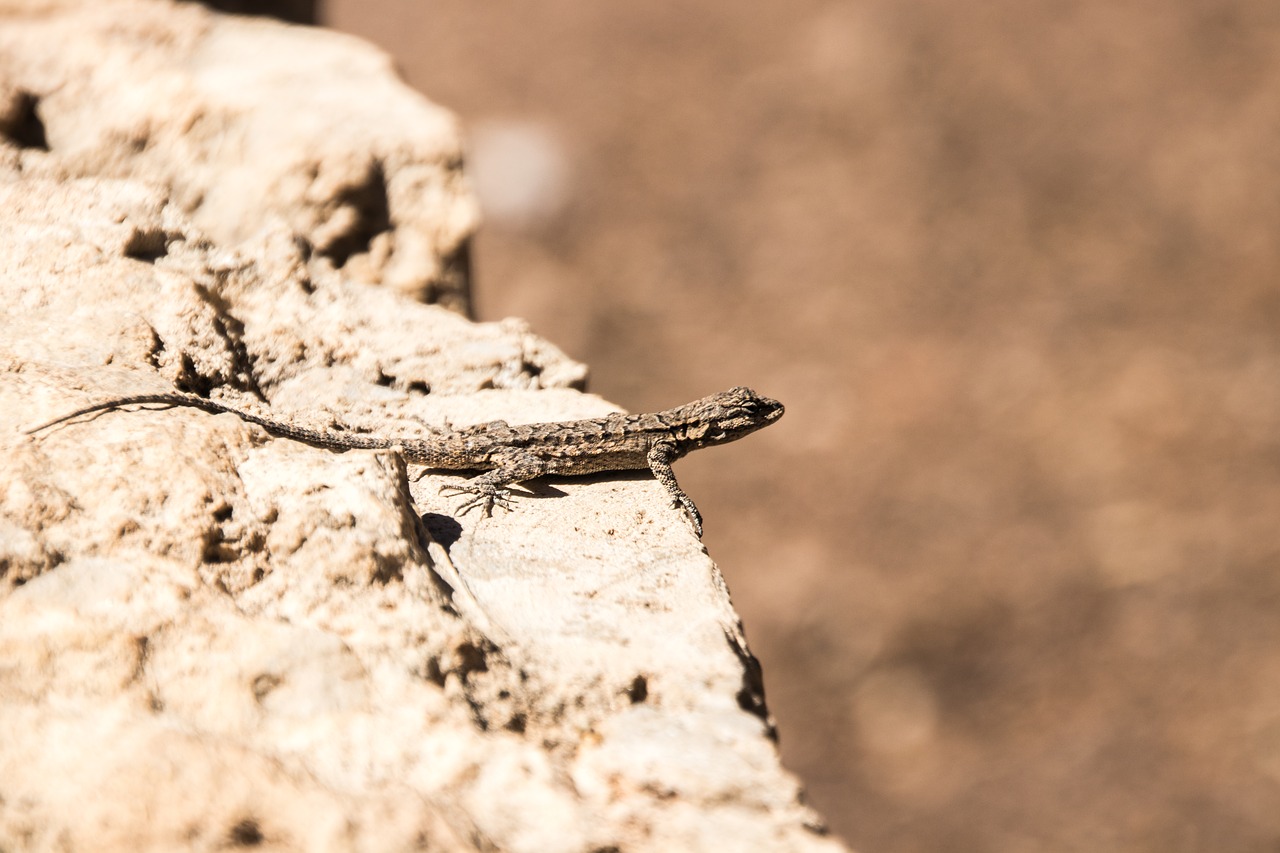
1011,562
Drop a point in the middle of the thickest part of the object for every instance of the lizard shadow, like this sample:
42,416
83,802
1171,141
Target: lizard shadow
543,487
443,529
446,529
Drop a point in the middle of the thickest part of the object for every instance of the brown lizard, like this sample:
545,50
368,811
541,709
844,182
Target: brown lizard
514,454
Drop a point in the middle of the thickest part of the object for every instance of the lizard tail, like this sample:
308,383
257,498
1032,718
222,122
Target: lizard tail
355,441
139,399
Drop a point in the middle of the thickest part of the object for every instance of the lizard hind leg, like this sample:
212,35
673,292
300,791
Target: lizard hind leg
490,489
484,496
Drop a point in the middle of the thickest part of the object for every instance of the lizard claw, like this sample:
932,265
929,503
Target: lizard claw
695,517
485,497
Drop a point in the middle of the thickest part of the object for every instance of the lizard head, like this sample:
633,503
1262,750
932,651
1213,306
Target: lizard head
728,415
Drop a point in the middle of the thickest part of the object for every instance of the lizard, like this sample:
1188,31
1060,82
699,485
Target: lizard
513,454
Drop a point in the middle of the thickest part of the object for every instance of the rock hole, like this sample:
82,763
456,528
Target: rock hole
639,690
156,350
265,683
386,570
469,658
216,551
246,833
433,671
22,124
147,244
455,270
189,378
373,216
751,694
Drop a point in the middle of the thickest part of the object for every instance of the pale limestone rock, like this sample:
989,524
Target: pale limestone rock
210,637
246,123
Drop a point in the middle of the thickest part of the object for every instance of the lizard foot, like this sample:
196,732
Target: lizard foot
485,496
695,518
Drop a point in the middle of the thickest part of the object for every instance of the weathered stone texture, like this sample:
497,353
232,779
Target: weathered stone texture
210,637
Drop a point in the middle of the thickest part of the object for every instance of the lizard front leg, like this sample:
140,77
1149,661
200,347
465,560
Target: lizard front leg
490,488
660,457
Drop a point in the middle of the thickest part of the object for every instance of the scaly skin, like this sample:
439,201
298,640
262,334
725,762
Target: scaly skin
512,454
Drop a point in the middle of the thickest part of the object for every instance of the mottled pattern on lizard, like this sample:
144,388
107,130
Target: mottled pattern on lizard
512,454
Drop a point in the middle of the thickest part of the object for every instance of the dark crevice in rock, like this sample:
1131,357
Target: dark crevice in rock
639,690
21,123
373,217
469,659
231,329
387,570
433,672
455,278
413,386
751,694
147,244
246,833
216,551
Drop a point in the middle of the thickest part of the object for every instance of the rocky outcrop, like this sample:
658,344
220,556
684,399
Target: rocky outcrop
210,637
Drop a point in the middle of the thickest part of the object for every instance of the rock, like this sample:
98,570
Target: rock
246,123
212,637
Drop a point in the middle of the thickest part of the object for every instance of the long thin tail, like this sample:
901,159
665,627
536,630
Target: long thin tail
354,441
139,399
